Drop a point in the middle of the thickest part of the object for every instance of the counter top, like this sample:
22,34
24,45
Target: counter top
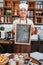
6,41
12,55
13,40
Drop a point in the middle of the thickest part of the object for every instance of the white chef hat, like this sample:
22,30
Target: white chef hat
23,5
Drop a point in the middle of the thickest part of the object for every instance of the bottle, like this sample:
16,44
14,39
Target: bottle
2,19
12,62
21,60
15,12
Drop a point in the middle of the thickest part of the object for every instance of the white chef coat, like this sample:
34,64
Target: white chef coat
30,22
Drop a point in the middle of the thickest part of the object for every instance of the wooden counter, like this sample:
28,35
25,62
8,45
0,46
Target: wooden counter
18,48
6,46
4,41
35,46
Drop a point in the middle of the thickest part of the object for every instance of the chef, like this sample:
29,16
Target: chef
23,9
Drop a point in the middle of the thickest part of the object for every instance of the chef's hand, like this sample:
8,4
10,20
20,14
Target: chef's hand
33,30
13,30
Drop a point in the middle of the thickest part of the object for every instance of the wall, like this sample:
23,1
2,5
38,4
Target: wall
8,27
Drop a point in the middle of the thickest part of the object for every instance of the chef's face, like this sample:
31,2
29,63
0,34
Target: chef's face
23,13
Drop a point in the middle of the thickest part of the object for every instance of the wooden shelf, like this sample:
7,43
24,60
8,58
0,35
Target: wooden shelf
5,42
31,8
38,9
7,0
38,16
7,7
31,16
15,15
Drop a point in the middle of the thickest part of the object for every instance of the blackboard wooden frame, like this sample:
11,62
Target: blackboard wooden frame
27,29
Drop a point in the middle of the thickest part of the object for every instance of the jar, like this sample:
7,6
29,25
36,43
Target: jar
12,62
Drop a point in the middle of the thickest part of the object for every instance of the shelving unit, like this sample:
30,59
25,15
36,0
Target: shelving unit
31,5
36,11
31,14
9,11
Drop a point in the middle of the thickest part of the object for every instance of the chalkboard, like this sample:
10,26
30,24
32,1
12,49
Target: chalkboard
22,35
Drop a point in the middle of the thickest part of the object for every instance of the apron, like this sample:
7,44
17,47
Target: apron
20,21
19,48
